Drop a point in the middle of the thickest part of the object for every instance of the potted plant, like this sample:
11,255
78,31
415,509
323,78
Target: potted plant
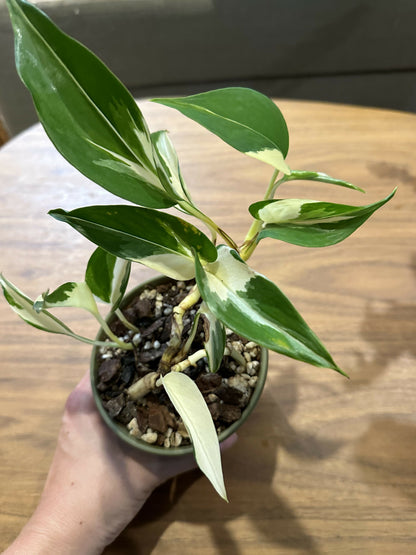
180,352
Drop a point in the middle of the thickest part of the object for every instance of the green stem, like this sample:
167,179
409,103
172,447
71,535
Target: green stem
212,226
124,321
250,241
92,341
111,335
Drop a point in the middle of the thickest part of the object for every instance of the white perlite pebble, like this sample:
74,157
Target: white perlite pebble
251,370
238,382
237,345
149,436
137,337
148,294
175,439
251,345
133,428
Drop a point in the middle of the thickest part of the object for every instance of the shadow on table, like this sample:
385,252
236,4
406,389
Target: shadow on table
385,455
249,468
397,321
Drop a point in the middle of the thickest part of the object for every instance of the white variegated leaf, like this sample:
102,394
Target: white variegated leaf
23,306
191,406
171,265
107,276
311,223
167,164
119,280
255,308
156,239
271,156
214,340
303,175
69,294
88,114
245,119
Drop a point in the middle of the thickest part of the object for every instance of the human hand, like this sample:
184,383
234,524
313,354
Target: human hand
95,486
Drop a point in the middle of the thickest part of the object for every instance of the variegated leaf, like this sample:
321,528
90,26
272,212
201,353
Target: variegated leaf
245,119
107,276
255,308
214,338
87,112
321,177
191,406
311,223
69,294
23,306
167,164
156,239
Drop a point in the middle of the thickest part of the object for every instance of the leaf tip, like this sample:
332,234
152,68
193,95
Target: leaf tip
340,371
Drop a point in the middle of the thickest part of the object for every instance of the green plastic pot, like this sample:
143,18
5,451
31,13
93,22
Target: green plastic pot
121,431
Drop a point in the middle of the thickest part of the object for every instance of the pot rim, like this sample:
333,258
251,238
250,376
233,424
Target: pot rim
120,429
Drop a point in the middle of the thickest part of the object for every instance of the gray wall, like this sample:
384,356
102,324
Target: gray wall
356,51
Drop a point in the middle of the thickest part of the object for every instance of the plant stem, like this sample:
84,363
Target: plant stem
250,241
186,347
212,226
124,321
190,361
111,335
93,341
177,328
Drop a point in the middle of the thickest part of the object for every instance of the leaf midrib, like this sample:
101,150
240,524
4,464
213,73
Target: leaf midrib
99,226
77,84
206,110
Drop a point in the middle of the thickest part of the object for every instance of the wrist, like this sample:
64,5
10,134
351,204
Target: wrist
47,534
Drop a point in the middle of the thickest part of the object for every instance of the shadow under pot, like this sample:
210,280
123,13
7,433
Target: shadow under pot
151,423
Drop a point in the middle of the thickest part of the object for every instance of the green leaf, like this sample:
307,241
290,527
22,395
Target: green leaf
23,306
107,276
214,341
322,177
311,223
254,307
87,112
245,119
167,164
191,406
69,294
156,239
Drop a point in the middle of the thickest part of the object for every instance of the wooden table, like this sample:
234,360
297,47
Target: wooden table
325,465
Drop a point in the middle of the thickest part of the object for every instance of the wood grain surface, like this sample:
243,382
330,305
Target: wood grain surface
325,465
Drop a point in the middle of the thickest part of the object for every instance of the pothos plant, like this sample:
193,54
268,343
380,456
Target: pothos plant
97,126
